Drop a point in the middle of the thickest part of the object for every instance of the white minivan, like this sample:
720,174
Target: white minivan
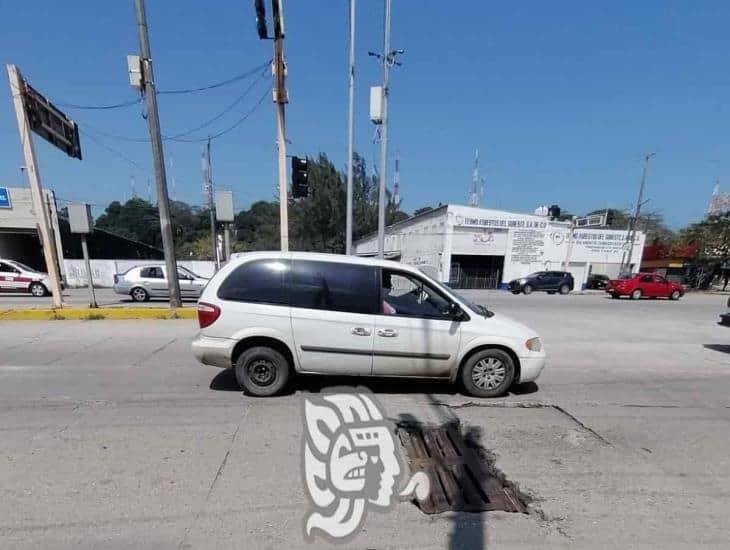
269,315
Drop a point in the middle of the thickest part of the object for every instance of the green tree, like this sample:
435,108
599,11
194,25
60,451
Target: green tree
258,227
711,236
317,222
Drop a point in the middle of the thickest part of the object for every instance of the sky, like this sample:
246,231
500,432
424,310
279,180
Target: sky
562,99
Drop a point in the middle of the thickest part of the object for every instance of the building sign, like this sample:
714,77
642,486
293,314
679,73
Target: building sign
528,246
5,198
599,242
499,222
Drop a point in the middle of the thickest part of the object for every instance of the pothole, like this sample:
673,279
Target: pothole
462,474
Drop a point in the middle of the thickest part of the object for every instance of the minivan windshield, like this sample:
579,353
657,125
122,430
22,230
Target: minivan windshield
476,308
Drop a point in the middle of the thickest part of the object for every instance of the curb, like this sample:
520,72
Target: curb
89,314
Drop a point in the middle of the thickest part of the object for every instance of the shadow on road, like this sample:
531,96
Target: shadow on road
723,348
225,380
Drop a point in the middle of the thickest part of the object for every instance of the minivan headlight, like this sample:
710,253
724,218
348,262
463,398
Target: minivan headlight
534,344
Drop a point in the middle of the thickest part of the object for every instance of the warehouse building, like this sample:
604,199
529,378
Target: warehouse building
470,247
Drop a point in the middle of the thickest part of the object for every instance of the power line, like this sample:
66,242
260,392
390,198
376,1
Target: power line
112,150
131,102
216,84
233,126
221,114
99,107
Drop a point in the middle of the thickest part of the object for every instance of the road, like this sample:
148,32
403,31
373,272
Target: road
79,297
114,437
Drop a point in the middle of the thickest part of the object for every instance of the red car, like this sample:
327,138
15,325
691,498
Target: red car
644,284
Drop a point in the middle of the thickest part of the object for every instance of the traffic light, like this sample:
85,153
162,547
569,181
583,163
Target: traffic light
299,178
261,19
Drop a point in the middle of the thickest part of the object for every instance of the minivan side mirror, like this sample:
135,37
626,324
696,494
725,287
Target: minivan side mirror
455,311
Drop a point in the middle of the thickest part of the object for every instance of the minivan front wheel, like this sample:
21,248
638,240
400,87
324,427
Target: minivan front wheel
488,373
262,371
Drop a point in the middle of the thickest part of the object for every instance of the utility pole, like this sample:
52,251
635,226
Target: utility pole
208,188
631,234
388,58
153,119
281,99
17,87
350,125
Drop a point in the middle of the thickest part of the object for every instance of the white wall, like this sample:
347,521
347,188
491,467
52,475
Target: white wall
102,271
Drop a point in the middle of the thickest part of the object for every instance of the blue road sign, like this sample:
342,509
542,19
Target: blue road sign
5,198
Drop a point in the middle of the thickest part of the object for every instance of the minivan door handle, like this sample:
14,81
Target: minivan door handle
387,332
360,331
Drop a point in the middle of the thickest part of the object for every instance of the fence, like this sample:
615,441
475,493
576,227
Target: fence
102,271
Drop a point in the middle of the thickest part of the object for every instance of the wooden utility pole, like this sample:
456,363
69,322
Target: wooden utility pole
281,99
17,86
153,120
631,234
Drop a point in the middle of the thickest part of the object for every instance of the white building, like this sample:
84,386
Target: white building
481,248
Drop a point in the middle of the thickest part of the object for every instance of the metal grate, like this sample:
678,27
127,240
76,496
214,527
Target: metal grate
461,479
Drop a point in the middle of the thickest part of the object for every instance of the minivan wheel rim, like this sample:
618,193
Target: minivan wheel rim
488,373
262,372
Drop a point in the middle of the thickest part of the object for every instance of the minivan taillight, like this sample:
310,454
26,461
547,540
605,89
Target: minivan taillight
116,278
207,314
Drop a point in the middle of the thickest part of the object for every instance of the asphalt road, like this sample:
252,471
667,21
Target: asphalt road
79,297
114,437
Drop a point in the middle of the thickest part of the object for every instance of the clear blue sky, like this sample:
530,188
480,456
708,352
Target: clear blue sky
562,98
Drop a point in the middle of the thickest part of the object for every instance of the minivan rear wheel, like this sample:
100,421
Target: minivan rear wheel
488,373
262,371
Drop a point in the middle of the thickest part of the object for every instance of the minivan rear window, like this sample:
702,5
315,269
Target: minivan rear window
259,281
333,286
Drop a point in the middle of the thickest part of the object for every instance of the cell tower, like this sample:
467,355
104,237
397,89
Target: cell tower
476,183
396,180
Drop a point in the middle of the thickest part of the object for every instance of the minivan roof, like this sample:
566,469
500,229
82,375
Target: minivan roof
319,256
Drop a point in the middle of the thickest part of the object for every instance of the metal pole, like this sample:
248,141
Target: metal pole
36,189
227,241
208,175
631,235
281,100
153,119
350,125
569,249
85,250
383,176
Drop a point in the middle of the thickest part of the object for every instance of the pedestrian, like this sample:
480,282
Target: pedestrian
725,278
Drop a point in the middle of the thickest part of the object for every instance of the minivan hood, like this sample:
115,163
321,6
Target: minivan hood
506,326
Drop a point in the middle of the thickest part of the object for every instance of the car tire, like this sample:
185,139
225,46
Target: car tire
488,373
636,294
38,290
527,289
676,295
515,292
564,289
551,292
615,296
262,371
139,294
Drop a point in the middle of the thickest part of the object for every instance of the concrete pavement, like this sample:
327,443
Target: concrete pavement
114,437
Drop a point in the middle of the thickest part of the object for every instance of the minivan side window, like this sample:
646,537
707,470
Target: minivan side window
333,286
405,294
257,281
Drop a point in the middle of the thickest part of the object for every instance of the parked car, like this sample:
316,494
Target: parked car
17,277
644,285
549,281
143,282
597,282
271,315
